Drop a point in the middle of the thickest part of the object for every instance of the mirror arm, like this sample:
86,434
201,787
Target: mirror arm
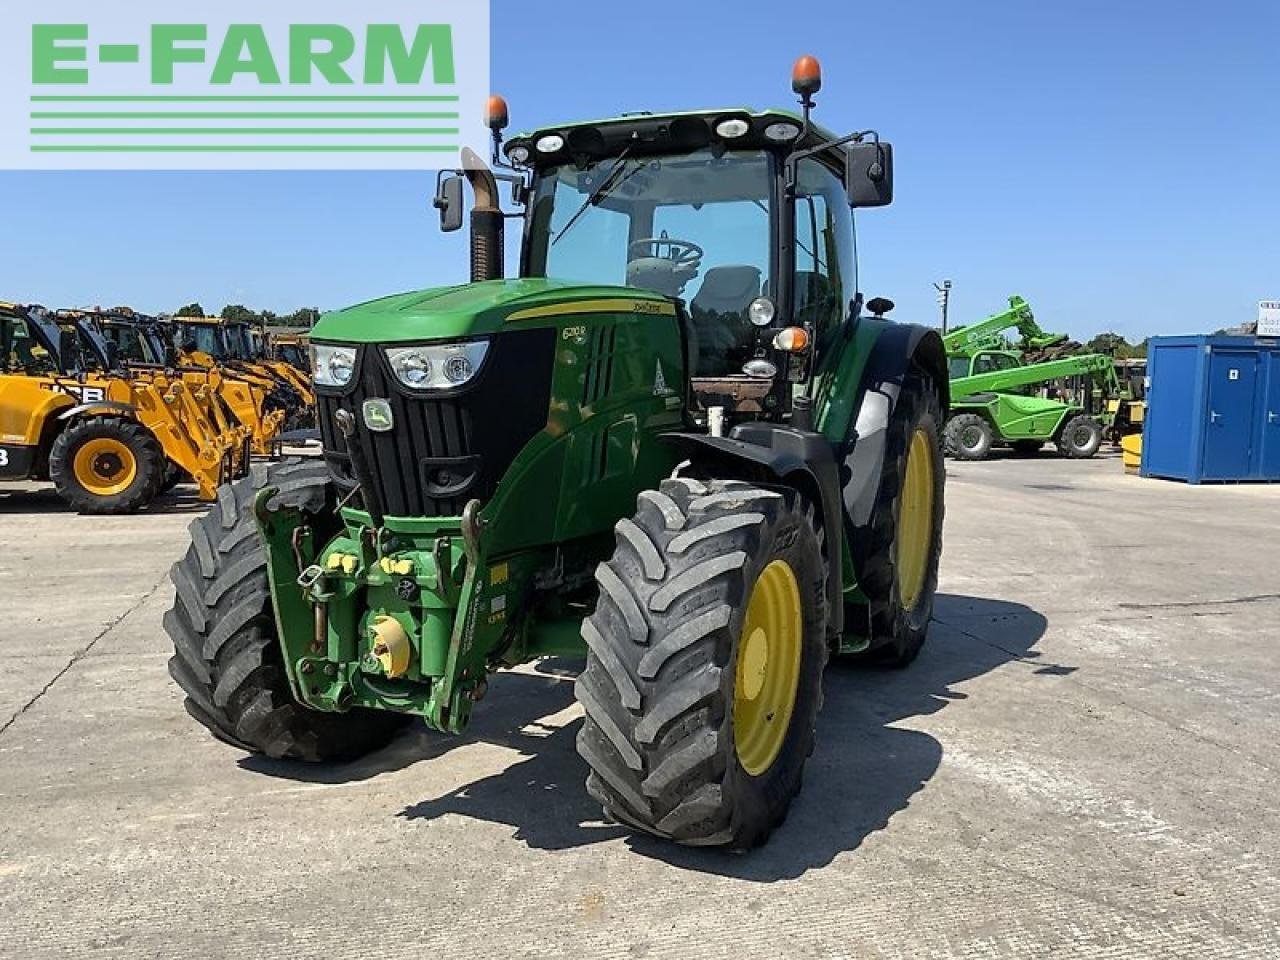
793,159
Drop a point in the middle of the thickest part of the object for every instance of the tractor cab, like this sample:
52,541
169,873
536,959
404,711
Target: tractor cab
665,204
741,218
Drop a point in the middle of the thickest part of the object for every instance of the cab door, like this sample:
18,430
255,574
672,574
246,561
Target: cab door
1233,379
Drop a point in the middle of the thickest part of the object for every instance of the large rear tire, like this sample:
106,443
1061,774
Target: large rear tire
704,667
107,465
227,657
896,559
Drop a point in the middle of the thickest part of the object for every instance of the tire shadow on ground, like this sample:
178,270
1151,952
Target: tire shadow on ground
863,771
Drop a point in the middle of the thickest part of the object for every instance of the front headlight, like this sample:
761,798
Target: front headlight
332,366
442,366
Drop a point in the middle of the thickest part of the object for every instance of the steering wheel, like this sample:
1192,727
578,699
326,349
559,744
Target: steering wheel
682,253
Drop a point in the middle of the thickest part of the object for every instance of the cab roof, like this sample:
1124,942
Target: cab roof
662,133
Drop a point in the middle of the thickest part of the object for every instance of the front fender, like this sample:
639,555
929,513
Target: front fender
768,453
99,407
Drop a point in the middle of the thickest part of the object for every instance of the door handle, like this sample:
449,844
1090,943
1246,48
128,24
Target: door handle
1273,417
1214,416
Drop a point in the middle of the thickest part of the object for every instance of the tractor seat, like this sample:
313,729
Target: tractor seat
727,290
719,317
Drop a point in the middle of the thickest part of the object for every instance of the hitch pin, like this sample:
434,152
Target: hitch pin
310,577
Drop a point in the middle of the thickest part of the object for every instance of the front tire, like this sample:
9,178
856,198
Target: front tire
704,667
227,657
969,437
107,465
1081,438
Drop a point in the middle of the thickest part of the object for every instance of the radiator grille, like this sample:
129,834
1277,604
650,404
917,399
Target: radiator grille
443,450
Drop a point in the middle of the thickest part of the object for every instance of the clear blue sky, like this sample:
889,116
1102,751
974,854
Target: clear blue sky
1118,163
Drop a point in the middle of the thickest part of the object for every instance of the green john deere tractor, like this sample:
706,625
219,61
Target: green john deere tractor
673,445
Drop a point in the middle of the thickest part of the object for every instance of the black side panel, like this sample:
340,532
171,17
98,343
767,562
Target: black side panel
16,461
900,348
766,453
449,447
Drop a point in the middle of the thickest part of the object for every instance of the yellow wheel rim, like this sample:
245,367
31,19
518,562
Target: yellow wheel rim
105,467
768,672
915,521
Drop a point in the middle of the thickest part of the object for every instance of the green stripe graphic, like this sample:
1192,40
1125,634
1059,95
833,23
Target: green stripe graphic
318,115
238,148
242,99
241,131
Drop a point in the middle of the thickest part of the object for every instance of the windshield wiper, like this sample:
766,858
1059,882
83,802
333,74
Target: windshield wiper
611,183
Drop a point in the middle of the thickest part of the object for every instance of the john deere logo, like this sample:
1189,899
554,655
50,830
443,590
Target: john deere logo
378,416
240,84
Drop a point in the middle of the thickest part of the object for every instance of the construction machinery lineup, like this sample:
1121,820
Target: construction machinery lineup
210,342
102,404
1041,388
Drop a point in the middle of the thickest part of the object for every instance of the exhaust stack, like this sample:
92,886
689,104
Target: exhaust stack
487,221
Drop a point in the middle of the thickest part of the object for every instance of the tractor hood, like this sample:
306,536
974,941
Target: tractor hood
472,310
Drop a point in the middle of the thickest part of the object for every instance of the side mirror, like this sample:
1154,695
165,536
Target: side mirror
449,202
869,174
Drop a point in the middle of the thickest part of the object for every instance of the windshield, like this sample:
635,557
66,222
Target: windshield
293,354
958,367
128,341
694,226
201,337
20,351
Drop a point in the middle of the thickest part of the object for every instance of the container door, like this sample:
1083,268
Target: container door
1229,432
1270,416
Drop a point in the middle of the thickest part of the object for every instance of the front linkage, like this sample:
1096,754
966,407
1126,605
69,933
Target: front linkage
408,617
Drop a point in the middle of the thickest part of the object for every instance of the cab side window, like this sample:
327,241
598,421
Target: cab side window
824,278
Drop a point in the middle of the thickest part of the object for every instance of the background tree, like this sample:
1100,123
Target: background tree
239,313
191,310
1117,346
306,317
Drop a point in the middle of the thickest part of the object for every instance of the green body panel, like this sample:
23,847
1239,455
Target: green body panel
1018,417
835,396
454,313
554,508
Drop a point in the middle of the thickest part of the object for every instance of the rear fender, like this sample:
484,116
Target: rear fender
772,454
898,350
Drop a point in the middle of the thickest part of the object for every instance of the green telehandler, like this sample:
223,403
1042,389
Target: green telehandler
673,444
991,382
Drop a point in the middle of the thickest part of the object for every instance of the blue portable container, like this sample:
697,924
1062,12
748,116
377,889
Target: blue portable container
1213,410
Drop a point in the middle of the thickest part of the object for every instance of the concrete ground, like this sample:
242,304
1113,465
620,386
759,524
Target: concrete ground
1081,764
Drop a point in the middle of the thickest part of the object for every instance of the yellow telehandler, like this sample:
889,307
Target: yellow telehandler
104,439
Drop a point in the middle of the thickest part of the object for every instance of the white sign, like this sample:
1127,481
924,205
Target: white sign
242,85
1269,318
